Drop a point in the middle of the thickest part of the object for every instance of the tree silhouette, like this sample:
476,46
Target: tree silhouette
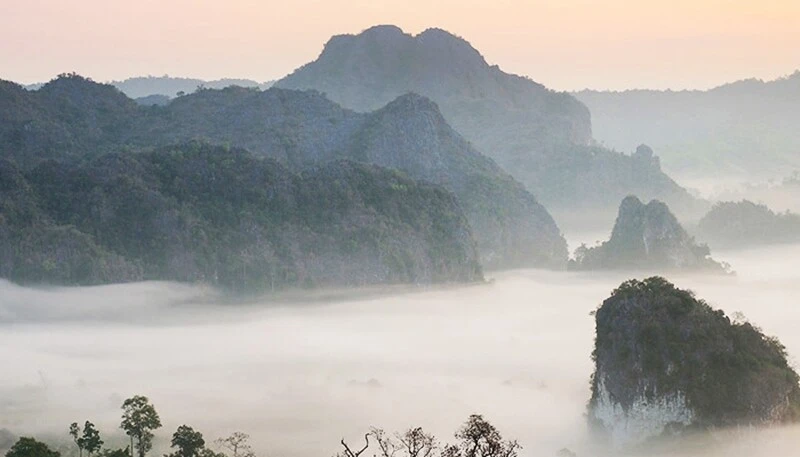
29,447
188,441
139,419
89,440
237,443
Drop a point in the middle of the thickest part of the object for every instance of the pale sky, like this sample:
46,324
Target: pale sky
564,44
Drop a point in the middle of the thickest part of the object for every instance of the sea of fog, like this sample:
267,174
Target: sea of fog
302,373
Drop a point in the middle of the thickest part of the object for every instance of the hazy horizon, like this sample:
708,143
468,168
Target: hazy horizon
569,45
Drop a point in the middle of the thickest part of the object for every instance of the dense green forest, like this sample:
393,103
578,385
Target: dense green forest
197,212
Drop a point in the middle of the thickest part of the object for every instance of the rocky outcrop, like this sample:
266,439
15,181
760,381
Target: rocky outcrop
666,363
511,227
646,237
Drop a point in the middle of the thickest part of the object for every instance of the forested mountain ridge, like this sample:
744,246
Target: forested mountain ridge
744,223
301,130
541,137
197,212
67,117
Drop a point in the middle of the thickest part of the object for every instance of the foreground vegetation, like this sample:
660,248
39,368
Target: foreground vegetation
476,438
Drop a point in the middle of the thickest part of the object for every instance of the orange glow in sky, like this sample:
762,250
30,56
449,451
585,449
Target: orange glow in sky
565,44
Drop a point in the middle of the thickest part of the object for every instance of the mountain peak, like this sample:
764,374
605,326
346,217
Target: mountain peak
647,236
411,101
383,30
83,91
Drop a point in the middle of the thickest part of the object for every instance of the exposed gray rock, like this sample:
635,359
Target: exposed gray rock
646,237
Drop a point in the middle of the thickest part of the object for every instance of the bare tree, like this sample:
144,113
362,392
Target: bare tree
414,442
478,438
237,443
349,453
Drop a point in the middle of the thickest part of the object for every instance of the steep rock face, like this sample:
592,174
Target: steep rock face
744,223
201,213
512,229
541,137
646,236
666,362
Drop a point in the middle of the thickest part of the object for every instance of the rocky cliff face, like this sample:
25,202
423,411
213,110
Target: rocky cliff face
646,237
666,362
512,229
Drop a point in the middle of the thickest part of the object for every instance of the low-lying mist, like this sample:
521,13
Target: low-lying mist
300,375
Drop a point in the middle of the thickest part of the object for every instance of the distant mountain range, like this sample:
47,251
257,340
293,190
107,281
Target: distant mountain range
142,87
744,223
543,138
747,127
